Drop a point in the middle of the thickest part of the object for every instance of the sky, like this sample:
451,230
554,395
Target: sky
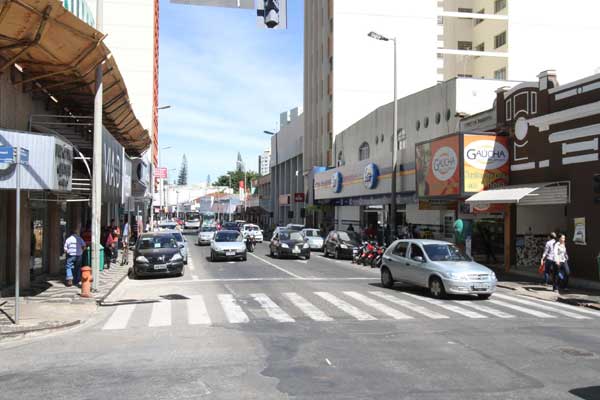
226,81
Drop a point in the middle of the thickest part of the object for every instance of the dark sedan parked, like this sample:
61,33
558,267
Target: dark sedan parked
157,253
340,244
288,243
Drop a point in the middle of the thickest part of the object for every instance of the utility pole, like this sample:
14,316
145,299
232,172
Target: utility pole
97,156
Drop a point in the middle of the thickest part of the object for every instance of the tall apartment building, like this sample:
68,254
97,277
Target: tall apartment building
264,163
347,74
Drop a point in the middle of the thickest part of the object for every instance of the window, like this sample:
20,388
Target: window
465,45
440,56
499,5
415,251
401,139
418,126
363,151
376,139
480,47
400,249
477,21
340,158
440,20
448,114
426,122
500,74
382,137
533,102
438,118
464,75
465,10
500,40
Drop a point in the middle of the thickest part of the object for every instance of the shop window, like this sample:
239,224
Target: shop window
363,151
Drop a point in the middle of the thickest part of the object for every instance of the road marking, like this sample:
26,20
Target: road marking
276,266
577,309
449,307
272,309
392,312
195,277
232,310
542,306
346,307
307,307
120,317
538,314
197,312
161,314
480,307
411,306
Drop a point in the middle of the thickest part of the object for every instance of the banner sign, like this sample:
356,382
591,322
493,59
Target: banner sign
438,172
486,162
299,197
579,231
112,168
161,173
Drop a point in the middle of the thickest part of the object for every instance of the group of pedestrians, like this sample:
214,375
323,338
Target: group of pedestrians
555,261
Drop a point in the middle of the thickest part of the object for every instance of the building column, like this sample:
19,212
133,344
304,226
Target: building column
4,265
53,238
510,228
25,244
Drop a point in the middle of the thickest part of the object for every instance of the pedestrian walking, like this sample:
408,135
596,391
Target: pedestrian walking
116,234
73,247
560,261
109,244
350,228
548,257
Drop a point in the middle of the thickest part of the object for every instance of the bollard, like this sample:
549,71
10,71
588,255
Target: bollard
86,281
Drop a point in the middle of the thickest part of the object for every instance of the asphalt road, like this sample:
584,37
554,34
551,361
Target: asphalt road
316,329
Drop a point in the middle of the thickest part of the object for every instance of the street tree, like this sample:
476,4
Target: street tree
183,172
236,177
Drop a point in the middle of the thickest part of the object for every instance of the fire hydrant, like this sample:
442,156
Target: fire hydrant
86,281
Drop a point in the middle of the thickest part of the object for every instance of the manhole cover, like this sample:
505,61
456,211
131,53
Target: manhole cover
577,352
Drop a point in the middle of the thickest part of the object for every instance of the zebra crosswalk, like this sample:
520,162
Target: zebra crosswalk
292,307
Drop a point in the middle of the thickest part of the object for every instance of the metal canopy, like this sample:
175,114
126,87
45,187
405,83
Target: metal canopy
58,53
525,195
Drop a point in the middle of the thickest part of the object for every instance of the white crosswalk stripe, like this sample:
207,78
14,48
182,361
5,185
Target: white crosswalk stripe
233,311
120,317
197,312
449,307
346,307
272,309
582,310
387,310
542,306
161,314
483,308
412,306
535,313
307,307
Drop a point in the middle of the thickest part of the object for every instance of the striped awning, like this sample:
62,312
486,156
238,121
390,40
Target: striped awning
525,195
58,54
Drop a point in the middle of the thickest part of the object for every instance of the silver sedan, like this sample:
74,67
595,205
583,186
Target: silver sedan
440,266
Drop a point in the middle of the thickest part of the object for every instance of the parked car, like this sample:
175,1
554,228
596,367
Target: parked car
313,238
228,244
206,234
288,243
183,245
157,253
294,227
440,266
341,244
251,229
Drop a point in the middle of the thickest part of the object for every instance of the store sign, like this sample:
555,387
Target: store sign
299,197
486,162
161,173
371,176
112,168
284,199
438,172
336,182
63,162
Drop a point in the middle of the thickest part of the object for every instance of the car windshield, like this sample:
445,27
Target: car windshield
178,237
348,236
208,229
192,216
445,252
291,236
311,233
251,228
228,237
157,242
295,227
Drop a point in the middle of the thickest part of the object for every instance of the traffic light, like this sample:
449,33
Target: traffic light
272,14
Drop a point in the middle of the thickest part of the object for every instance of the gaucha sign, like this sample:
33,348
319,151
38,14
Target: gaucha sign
112,167
486,162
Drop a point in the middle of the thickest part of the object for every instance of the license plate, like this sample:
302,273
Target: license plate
160,266
230,253
480,286
296,250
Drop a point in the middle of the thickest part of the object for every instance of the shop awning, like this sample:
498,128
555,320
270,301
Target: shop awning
526,195
58,54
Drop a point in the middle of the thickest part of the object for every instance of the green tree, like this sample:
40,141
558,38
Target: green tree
182,179
236,177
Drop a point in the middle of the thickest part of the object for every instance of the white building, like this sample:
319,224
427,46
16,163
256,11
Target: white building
347,74
264,163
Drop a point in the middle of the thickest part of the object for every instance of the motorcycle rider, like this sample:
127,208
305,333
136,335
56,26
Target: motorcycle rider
250,243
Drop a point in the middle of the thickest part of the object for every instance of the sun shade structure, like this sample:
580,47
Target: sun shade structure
525,195
58,54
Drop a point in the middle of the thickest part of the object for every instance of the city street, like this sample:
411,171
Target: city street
317,329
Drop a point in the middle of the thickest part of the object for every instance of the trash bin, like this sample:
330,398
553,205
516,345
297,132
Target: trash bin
87,257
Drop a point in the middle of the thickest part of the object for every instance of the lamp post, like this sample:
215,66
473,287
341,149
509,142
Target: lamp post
274,180
393,222
161,197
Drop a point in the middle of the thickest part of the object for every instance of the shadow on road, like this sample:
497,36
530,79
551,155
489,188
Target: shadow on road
587,393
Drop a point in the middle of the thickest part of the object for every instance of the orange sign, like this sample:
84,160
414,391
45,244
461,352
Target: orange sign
486,162
438,172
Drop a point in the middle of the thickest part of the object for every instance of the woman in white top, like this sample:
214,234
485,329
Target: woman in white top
560,259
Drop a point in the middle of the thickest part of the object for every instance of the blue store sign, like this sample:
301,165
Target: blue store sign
371,176
336,182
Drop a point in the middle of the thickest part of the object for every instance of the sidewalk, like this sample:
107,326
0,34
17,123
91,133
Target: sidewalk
580,292
49,304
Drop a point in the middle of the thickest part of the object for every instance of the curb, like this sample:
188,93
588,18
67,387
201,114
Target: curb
39,329
559,299
100,301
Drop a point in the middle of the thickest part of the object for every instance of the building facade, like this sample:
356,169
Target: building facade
264,163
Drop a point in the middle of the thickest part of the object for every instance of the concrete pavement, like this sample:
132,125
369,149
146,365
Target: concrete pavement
322,329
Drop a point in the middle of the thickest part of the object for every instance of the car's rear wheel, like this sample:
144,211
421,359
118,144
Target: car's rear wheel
484,296
436,288
387,281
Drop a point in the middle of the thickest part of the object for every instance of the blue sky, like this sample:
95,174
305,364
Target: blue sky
226,81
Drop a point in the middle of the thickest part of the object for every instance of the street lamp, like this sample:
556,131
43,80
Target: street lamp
162,188
274,181
377,36
164,107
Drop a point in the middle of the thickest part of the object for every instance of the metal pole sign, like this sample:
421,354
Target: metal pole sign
20,156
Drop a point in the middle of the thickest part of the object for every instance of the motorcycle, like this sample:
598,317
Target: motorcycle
357,252
368,252
378,259
250,243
